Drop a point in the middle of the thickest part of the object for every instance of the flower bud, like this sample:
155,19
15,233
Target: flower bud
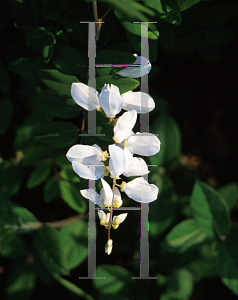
108,247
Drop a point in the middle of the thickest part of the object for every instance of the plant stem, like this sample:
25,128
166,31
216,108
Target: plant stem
111,211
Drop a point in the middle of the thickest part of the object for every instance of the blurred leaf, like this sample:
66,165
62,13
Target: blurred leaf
169,135
49,247
167,10
43,41
124,84
185,4
51,189
230,193
202,268
34,154
75,242
180,284
6,234
55,133
4,79
73,288
117,279
166,35
227,260
15,248
40,174
21,283
57,106
58,82
71,196
210,210
6,112
67,173
68,60
10,180
185,235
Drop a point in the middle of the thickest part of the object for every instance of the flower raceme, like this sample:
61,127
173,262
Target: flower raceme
110,99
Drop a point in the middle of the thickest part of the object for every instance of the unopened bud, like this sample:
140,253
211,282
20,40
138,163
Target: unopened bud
108,247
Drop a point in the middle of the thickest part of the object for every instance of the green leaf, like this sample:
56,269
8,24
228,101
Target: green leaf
21,283
40,174
34,154
67,173
180,284
124,84
6,112
57,106
117,279
15,248
10,180
68,60
6,234
56,81
185,4
230,193
185,235
167,10
210,210
55,133
49,247
51,189
169,135
74,289
71,196
75,243
227,260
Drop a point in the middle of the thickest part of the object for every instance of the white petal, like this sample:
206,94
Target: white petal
85,96
91,195
106,193
117,202
85,154
138,167
124,125
133,100
92,172
102,215
141,191
107,217
143,68
120,217
117,161
110,100
143,144
108,247
129,157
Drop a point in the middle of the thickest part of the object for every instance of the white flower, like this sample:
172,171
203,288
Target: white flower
108,247
110,100
86,154
117,162
105,197
85,96
124,126
145,144
92,172
140,190
138,167
142,66
116,221
133,100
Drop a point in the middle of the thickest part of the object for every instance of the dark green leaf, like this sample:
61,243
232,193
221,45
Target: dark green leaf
230,193
58,82
67,173
74,289
210,210
15,248
51,189
180,284
57,106
34,154
40,174
75,243
185,4
169,135
6,112
124,84
117,279
10,180
227,260
68,60
71,195
185,235
21,283
49,247
55,133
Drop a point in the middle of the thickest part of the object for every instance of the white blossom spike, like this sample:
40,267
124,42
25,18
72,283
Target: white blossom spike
124,125
140,190
133,100
140,67
110,100
85,96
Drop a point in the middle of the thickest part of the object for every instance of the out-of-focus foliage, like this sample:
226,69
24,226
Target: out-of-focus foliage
43,216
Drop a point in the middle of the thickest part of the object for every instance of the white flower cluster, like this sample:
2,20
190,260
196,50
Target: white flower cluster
89,162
